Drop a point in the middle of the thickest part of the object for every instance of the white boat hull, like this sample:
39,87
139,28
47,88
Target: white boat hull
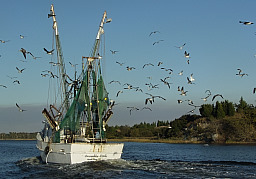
71,153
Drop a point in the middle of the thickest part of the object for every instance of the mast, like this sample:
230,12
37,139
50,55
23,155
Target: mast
60,59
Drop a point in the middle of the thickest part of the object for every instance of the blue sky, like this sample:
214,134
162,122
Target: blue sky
218,45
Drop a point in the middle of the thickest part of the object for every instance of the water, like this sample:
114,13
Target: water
19,159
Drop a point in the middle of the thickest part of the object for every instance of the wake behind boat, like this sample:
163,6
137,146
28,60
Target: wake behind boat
75,131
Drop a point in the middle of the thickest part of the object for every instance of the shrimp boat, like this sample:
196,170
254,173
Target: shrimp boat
75,132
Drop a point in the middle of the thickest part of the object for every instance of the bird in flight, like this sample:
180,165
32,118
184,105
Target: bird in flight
147,65
180,47
20,71
117,94
246,22
24,52
240,73
3,41
216,96
132,109
49,52
21,110
129,68
3,86
22,36
16,81
186,54
153,32
113,51
121,64
157,42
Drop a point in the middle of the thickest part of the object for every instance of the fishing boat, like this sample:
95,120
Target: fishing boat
75,129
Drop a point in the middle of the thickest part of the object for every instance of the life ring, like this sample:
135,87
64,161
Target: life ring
46,150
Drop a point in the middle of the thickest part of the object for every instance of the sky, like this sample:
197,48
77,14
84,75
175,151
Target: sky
217,43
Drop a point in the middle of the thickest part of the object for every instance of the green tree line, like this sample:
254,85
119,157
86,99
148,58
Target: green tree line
218,123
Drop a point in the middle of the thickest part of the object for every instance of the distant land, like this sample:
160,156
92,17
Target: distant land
222,123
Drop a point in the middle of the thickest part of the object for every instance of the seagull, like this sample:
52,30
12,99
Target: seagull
153,32
44,75
133,108
240,73
117,94
146,108
179,101
23,51
147,65
181,47
183,93
180,73
254,90
113,81
157,42
167,69
3,41
49,52
129,86
113,51
166,82
121,64
22,36
159,63
186,54
16,81
33,56
191,78
189,81
21,110
3,86
129,68
246,22
20,71
216,96
151,100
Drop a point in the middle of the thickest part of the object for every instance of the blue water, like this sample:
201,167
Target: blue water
20,159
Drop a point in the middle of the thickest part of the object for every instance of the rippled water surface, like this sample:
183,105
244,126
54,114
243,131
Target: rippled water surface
20,159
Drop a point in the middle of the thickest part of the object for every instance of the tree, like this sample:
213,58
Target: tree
206,110
219,112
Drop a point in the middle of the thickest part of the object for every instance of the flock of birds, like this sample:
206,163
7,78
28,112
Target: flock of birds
150,86
149,98
25,53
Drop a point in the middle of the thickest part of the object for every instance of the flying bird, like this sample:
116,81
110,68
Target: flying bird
22,36
147,65
180,47
146,108
186,54
119,63
157,42
16,81
159,63
21,110
3,41
153,32
132,109
49,52
246,22
24,52
216,96
3,86
20,71
117,94
113,81
113,51
129,68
